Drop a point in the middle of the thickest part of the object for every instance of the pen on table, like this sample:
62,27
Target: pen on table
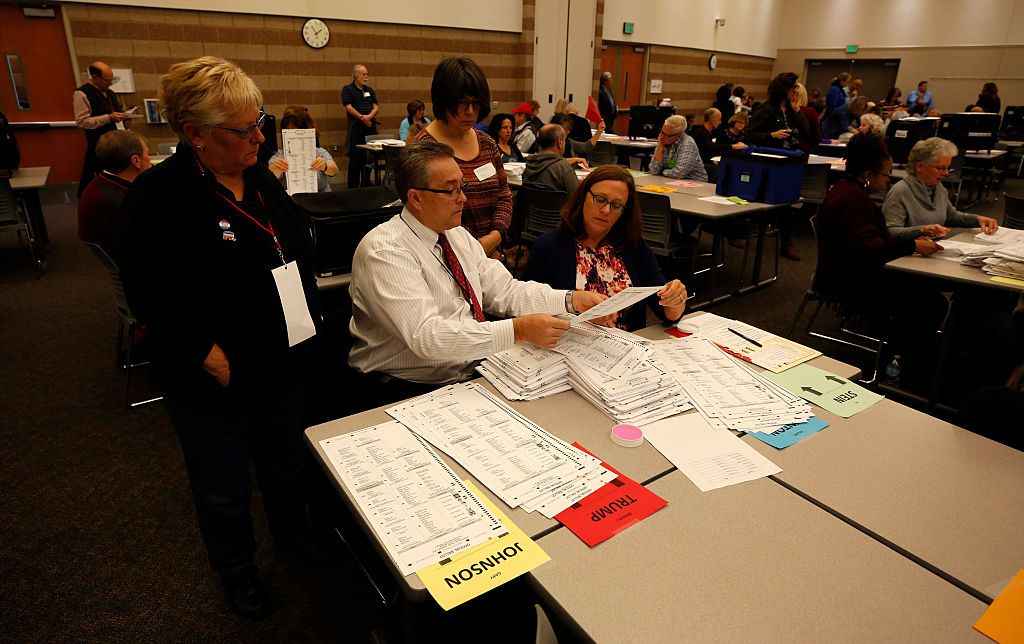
750,340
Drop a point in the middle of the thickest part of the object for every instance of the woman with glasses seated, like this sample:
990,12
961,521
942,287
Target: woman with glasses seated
919,205
461,98
598,247
298,118
219,266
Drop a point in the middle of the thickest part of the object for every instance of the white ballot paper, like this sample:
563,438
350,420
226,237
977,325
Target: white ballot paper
526,372
591,346
626,297
299,151
708,457
421,511
518,460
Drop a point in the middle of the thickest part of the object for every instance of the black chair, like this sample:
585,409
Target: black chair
543,210
14,218
127,325
391,153
603,154
851,322
1013,213
657,232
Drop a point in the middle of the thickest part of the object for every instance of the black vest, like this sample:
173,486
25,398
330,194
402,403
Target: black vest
100,105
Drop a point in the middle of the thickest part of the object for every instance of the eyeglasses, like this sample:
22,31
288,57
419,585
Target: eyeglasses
669,135
451,193
465,104
245,132
940,168
882,174
601,201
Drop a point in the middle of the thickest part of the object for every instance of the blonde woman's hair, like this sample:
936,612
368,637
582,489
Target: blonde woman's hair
560,106
204,92
801,93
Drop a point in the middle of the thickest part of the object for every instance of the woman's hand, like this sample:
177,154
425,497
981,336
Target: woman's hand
780,134
216,364
319,165
926,247
936,230
988,225
278,167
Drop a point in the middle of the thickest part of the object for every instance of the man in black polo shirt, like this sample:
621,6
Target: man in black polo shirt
97,111
360,102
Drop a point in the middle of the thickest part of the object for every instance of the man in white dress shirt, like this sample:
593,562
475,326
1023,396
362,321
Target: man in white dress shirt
421,284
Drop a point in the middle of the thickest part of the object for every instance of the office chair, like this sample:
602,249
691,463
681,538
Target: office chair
543,210
1013,211
127,325
603,154
657,232
14,218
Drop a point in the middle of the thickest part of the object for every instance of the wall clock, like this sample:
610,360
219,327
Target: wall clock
316,33
712,61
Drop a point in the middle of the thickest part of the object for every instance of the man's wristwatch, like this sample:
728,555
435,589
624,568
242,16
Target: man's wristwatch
568,304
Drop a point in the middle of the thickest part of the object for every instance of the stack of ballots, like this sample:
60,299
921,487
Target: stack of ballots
646,394
1006,261
526,372
728,393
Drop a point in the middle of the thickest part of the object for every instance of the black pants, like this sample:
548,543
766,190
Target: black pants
357,174
219,441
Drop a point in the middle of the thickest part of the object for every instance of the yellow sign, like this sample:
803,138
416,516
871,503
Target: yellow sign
472,573
1002,621
659,189
1008,280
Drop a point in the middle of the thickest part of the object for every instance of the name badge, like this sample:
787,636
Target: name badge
293,303
486,171
366,94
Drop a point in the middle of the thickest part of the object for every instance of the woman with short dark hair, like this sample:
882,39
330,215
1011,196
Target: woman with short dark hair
775,123
598,247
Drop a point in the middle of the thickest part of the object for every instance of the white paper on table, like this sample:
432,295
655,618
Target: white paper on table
418,507
722,201
626,297
955,251
1002,236
590,345
775,354
508,453
710,458
299,150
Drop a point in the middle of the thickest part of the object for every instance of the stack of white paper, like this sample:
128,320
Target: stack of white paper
1002,236
762,348
526,372
517,460
1006,261
603,349
643,396
727,392
955,251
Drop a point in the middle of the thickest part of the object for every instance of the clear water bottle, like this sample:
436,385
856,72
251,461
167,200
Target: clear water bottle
893,370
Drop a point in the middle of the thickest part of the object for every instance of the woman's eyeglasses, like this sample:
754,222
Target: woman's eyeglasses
601,201
245,132
464,105
451,193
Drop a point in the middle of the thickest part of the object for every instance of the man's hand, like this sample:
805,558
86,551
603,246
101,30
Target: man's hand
583,300
926,247
116,117
601,127
539,329
367,120
935,230
580,161
278,167
780,134
216,364
988,225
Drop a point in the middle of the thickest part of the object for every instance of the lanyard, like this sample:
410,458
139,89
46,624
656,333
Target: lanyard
269,228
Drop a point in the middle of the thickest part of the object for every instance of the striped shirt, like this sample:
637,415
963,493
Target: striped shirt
488,202
681,160
409,317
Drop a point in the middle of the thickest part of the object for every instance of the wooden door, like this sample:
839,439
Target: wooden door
49,80
626,63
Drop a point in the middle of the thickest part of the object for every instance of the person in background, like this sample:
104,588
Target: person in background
703,136
872,124
421,285
500,130
920,100
723,101
122,155
836,95
576,148
548,168
97,110
525,133
297,117
816,102
461,98
844,119
776,124
738,94
535,115
360,103
207,232
606,102
676,155
734,132
560,108
812,135
893,100
855,246
414,122
988,99
919,205
598,247
853,89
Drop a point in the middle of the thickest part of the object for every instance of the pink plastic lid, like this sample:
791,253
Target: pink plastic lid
627,435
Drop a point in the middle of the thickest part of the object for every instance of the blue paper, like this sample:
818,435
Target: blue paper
786,435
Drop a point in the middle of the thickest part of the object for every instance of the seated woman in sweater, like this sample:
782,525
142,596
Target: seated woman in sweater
598,247
298,117
853,247
919,205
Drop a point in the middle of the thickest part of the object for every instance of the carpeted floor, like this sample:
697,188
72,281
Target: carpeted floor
98,539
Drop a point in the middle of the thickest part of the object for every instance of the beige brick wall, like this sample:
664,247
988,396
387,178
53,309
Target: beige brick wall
400,59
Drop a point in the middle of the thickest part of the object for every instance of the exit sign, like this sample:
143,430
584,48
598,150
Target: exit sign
851,49
627,28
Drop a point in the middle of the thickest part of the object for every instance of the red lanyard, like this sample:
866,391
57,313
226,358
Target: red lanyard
269,228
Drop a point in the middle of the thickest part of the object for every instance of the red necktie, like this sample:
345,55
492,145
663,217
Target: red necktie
460,278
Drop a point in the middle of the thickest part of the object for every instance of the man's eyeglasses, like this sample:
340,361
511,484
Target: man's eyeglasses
465,104
245,132
451,193
601,201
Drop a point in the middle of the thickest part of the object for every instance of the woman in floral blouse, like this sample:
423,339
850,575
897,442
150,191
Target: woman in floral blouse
598,247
